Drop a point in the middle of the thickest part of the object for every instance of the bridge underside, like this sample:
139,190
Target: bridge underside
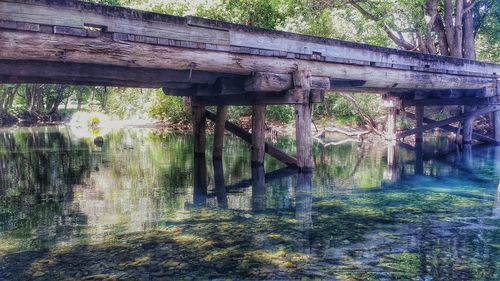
222,64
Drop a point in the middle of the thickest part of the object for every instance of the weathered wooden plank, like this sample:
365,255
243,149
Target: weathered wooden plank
437,124
257,98
276,82
258,134
175,28
64,30
21,71
452,101
220,121
450,129
247,137
267,42
20,46
347,51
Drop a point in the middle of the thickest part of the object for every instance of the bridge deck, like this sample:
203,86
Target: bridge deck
55,41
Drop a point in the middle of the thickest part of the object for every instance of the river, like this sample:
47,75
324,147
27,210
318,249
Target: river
138,207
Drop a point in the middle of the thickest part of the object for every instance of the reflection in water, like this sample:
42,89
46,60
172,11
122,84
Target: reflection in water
138,205
200,181
220,187
258,189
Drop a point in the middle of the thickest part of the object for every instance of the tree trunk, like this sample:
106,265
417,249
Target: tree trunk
468,39
448,27
459,12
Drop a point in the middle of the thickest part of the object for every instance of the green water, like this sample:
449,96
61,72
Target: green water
139,207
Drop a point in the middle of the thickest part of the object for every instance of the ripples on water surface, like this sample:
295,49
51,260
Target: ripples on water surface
136,209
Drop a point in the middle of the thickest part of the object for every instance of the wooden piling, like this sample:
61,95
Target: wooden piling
247,137
220,122
258,134
391,121
468,126
496,116
199,127
419,115
301,79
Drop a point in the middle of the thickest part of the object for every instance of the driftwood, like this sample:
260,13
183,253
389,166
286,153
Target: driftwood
354,136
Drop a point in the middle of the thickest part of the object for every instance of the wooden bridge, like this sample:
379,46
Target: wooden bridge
218,63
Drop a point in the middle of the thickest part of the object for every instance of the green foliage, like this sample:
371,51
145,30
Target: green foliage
94,121
235,112
168,108
280,113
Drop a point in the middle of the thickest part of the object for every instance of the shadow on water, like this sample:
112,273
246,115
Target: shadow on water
139,206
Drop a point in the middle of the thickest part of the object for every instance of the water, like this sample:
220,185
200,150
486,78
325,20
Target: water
138,207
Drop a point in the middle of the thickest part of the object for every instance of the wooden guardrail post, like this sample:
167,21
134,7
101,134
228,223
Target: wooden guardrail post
303,111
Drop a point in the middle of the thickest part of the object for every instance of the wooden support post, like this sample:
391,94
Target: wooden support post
301,79
419,115
496,121
391,125
452,129
220,122
199,134
450,120
247,137
258,134
468,125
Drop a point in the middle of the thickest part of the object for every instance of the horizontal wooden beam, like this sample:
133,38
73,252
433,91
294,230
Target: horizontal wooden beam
276,82
451,129
153,28
448,121
452,101
287,97
23,45
33,71
247,137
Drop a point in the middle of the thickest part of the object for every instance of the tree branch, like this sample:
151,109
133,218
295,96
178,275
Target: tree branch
394,37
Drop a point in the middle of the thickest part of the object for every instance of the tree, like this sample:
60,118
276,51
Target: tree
445,27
